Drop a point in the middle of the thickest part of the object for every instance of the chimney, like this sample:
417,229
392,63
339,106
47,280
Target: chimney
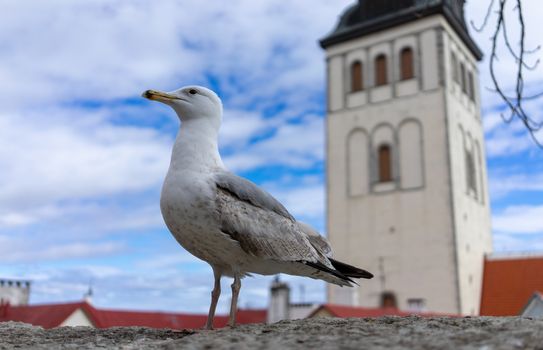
279,301
4,306
87,297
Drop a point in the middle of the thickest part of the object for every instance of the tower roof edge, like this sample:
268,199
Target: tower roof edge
370,16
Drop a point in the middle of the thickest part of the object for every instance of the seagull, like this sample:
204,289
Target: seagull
228,221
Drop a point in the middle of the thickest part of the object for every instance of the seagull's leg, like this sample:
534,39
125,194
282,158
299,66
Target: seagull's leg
236,286
215,293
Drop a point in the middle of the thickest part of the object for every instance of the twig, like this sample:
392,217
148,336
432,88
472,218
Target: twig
514,103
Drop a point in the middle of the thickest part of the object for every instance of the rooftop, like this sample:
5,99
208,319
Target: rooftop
53,315
344,311
508,283
369,16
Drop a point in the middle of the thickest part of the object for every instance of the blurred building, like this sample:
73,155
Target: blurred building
407,186
280,306
534,308
14,292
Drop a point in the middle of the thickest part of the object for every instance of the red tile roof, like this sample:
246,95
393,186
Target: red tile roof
509,283
52,315
114,318
47,316
344,311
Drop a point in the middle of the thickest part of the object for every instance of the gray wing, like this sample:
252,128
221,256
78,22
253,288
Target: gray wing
319,242
247,191
261,225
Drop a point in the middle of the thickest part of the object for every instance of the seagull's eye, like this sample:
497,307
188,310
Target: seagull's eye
193,91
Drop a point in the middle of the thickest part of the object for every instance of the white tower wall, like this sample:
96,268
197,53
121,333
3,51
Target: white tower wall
423,234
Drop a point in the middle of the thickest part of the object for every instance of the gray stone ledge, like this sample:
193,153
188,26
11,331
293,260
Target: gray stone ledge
487,333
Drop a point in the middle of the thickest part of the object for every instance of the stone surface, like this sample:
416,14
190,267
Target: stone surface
487,333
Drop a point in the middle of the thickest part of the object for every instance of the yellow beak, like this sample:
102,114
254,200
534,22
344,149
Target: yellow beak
159,96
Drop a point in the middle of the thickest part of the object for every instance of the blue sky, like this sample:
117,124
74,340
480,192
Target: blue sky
83,156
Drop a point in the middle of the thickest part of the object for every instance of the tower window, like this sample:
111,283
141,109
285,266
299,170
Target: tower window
463,78
385,163
471,86
454,68
416,304
406,64
388,299
470,173
381,70
357,83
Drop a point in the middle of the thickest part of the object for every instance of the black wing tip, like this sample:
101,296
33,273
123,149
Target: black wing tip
320,266
349,270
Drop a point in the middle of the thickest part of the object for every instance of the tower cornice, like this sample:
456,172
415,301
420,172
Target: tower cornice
364,18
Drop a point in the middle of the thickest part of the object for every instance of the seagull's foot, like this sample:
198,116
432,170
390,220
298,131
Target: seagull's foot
208,327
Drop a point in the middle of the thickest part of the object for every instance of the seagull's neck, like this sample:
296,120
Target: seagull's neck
196,147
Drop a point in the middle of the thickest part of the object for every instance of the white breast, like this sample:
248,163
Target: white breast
188,208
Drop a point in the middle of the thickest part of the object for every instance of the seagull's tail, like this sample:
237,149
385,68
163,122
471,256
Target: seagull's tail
349,270
340,273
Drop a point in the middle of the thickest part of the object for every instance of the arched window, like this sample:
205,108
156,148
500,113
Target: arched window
463,78
471,86
357,163
471,173
454,64
385,163
410,154
406,64
381,70
357,83
480,173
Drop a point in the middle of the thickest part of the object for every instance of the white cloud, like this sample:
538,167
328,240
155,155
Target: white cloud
99,50
20,250
168,261
56,155
44,162
66,173
305,202
297,145
511,243
505,142
15,219
507,135
502,184
519,219
239,127
152,288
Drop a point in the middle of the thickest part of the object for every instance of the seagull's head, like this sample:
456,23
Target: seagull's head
190,102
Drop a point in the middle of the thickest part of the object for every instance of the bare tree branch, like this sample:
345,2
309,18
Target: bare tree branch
519,53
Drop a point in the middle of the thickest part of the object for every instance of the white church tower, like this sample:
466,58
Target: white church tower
406,176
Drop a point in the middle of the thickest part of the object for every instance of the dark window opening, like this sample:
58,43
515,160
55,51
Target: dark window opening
388,300
406,64
381,77
463,77
416,304
385,163
471,86
357,83
454,64
470,173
